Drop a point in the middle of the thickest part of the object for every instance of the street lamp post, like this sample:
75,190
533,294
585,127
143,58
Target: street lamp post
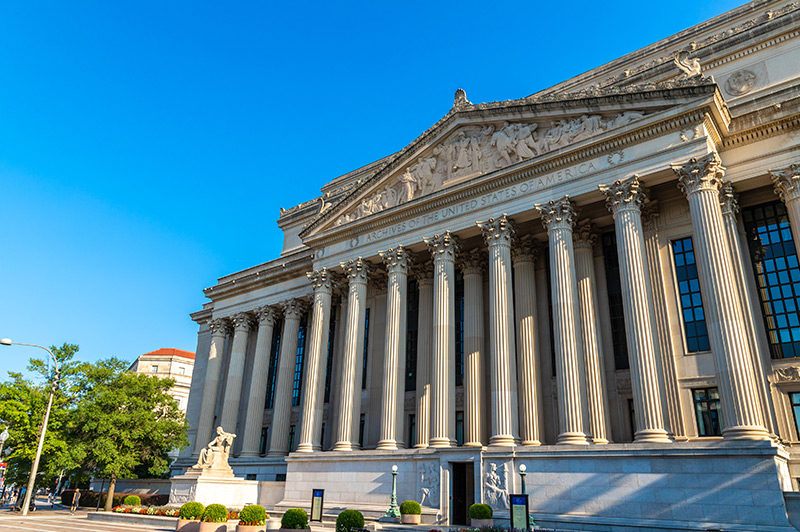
522,472
35,468
394,510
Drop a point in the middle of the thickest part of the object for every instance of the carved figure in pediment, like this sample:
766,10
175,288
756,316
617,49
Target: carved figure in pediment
503,141
408,185
623,119
525,141
423,172
466,155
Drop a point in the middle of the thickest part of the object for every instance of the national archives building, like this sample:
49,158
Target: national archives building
599,281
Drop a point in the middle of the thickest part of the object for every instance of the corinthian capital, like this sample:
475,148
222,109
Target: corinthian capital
443,247
559,214
525,249
242,321
786,181
700,174
650,215
584,234
472,262
266,315
624,194
293,308
397,260
423,272
497,230
728,198
356,270
322,280
219,326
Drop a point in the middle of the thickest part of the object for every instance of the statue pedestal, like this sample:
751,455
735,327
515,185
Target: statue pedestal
209,486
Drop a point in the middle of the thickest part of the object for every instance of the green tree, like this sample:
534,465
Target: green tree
124,422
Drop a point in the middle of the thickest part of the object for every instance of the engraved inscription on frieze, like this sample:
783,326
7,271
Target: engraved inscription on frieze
475,150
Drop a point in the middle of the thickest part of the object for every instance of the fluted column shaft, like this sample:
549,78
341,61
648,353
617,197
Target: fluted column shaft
233,388
558,217
258,378
282,404
498,233
472,269
624,199
590,331
443,248
394,358
205,425
700,180
787,187
356,271
527,347
314,386
424,354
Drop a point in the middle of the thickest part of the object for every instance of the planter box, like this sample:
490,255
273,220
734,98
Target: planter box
410,519
213,527
188,525
251,528
480,523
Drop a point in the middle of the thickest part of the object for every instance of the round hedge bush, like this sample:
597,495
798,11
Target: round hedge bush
348,520
253,515
132,500
410,508
480,511
191,511
215,513
295,518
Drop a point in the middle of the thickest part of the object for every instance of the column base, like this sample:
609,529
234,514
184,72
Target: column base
531,443
421,446
651,436
387,445
344,446
473,444
572,438
308,448
503,440
745,432
600,441
441,443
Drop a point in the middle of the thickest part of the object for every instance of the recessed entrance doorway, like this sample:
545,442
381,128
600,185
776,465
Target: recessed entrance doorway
463,492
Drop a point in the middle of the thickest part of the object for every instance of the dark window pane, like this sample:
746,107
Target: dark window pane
616,312
694,320
707,411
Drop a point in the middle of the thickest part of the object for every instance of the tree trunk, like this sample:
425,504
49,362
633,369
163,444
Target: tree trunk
110,498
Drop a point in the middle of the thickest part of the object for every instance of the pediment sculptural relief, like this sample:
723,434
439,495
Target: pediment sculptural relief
476,150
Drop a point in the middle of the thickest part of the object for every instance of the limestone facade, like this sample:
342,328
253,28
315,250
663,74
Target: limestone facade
169,363
599,280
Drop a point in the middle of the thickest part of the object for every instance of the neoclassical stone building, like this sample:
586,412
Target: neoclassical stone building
599,281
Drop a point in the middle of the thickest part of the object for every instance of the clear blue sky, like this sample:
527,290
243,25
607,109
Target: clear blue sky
146,147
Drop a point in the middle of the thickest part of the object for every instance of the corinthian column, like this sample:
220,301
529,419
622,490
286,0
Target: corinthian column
314,389
282,406
730,206
524,255
786,183
205,425
700,180
394,359
498,233
472,267
233,388
443,248
258,377
624,199
585,239
558,217
424,352
356,271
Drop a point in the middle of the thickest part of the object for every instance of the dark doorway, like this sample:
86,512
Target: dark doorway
463,491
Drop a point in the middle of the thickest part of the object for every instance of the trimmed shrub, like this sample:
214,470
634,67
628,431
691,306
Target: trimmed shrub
348,520
215,513
253,515
294,518
191,511
132,500
89,498
480,511
410,508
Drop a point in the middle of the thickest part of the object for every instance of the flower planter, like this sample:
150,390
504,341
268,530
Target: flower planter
188,525
213,527
480,523
251,528
410,519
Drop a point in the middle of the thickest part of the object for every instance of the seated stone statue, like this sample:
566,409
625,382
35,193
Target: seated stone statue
216,453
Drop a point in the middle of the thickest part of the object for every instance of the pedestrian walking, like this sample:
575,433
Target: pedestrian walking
51,498
76,501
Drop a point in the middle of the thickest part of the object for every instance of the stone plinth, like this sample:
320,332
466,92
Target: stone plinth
229,491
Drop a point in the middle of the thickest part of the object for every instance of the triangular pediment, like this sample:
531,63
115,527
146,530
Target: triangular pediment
477,140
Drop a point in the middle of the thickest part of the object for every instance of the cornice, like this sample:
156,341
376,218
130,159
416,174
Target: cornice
535,105
764,131
513,174
264,275
202,316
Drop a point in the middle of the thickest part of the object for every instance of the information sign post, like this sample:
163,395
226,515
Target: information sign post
317,497
519,512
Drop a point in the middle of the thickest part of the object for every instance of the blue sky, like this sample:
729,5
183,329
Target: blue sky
147,147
